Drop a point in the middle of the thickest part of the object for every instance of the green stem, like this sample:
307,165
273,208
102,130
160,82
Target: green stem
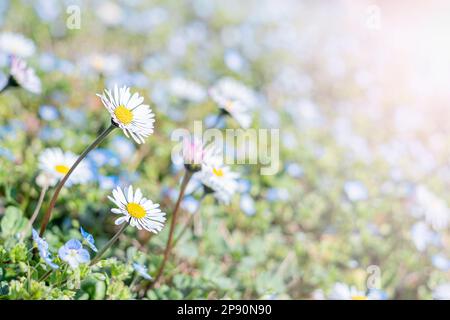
188,223
187,177
48,214
35,213
46,275
109,244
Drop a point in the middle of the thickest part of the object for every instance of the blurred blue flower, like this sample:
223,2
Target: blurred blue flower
294,170
142,271
423,236
355,191
107,182
123,147
51,134
277,194
233,60
47,62
44,253
89,239
247,204
441,262
47,10
244,186
377,294
48,113
73,253
190,204
76,117
101,157
6,153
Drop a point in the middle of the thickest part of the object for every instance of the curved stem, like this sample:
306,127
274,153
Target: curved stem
109,244
35,213
3,89
188,223
186,178
218,119
61,183
46,275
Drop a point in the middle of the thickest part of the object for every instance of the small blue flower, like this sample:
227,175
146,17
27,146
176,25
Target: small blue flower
43,250
108,182
123,147
48,113
356,191
89,239
190,204
247,204
142,271
102,157
73,253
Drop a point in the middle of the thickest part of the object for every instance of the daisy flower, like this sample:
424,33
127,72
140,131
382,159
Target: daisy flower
24,76
129,113
342,291
138,211
56,164
193,153
218,177
187,90
234,99
16,44
73,253
433,209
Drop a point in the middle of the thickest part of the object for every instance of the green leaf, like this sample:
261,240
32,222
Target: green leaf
12,222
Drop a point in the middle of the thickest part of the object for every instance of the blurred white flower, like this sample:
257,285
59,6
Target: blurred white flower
16,44
247,204
235,99
441,262
218,177
128,112
423,236
106,64
342,291
442,292
432,208
110,13
355,191
25,76
186,89
136,210
56,164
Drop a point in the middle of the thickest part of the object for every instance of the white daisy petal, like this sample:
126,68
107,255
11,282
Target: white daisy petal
137,210
129,113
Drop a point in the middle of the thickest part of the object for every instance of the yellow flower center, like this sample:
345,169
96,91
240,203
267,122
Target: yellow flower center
62,168
124,115
218,172
136,210
359,298
229,105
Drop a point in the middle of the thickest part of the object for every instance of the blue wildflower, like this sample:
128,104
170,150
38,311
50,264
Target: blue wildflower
247,204
142,271
48,113
73,253
44,253
89,239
